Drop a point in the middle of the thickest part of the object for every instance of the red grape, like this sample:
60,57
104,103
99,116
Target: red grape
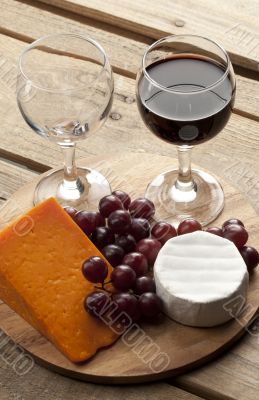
250,256
144,284
163,231
150,305
236,234
232,221
123,277
137,262
119,221
88,221
108,204
127,242
100,220
95,269
71,211
102,236
149,248
124,198
96,302
137,315
215,230
114,254
140,228
142,208
126,302
188,225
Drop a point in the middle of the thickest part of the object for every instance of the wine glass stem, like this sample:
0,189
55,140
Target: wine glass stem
184,180
70,173
71,180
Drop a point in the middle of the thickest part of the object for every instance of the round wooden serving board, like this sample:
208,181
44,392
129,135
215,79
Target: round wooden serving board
185,347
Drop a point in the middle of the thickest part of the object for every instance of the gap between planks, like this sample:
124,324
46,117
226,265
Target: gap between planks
198,390
104,26
23,162
29,39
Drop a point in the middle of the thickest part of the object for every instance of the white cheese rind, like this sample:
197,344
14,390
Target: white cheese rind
196,275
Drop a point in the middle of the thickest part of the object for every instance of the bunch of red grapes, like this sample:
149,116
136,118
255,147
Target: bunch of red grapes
121,230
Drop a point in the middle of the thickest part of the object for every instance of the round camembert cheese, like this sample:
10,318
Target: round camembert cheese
197,275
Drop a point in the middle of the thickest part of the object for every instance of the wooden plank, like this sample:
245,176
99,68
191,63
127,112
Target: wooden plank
27,22
247,99
12,177
46,385
228,23
233,376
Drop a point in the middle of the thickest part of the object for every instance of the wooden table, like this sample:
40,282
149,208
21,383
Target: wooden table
124,28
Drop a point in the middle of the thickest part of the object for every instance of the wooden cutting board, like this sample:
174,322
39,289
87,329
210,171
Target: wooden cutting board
156,351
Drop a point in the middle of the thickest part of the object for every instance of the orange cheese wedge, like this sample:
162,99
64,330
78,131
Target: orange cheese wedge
42,281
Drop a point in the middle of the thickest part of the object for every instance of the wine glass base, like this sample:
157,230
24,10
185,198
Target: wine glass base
85,193
204,201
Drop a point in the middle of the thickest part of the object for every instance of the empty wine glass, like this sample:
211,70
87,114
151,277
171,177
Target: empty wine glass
185,94
64,93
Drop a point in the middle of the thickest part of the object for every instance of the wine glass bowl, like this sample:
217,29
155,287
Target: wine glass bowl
185,94
64,93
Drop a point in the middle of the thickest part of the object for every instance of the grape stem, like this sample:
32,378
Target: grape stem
106,283
103,288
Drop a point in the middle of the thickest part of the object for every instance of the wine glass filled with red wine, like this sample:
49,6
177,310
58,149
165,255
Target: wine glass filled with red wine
185,95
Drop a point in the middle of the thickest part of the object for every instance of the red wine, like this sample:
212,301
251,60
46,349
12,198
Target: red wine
185,114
